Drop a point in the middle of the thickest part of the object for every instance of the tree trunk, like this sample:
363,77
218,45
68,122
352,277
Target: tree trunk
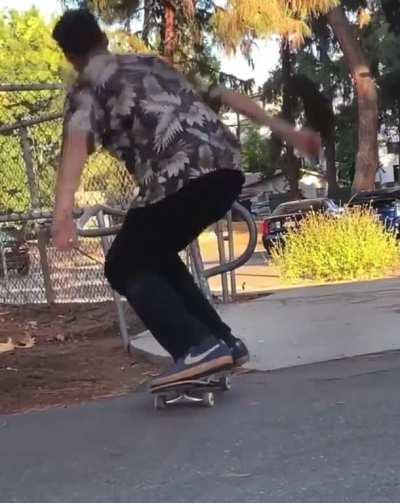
367,100
293,167
329,140
331,174
290,163
146,21
169,39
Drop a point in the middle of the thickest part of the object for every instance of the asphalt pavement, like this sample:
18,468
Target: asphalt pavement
319,433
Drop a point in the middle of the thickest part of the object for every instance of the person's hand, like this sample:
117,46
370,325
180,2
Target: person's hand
307,142
64,233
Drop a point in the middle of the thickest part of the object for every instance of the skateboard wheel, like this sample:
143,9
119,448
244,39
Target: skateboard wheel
208,399
159,402
225,383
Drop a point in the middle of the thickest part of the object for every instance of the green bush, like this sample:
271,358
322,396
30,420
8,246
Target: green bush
352,247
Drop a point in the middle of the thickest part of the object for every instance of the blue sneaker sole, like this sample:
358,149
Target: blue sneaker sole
196,371
241,361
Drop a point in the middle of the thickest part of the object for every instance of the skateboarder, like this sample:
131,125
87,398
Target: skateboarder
187,166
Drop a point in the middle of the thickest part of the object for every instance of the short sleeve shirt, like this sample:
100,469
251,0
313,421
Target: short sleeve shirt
150,117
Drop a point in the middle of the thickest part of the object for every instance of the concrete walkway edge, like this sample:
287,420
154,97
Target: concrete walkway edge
309,325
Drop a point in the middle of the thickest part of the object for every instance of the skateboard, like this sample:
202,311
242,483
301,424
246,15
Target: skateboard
194,391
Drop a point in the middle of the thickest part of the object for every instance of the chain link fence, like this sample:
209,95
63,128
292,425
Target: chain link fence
44,275
31,270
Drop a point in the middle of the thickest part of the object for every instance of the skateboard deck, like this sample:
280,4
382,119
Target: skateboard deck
199,391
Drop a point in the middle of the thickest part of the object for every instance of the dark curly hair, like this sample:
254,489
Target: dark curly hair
77,32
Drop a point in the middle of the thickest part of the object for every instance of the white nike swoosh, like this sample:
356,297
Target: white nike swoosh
190,360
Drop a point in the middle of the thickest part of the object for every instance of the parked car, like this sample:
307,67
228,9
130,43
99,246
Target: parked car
386,203
260,209
14,252
288,215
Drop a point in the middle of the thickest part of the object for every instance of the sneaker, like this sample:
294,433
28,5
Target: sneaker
207,358
240,353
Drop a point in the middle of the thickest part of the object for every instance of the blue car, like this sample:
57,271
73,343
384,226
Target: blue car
386,203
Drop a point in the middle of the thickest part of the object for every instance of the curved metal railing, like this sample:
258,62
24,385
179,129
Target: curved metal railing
99,211
200,272
248,252
34,215
83,217
95,211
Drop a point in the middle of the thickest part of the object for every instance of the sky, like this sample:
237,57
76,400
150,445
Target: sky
265,56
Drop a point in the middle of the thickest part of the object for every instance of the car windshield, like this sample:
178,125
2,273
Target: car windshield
301,207
282,209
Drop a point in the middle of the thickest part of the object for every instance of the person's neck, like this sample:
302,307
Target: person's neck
89,57
92,54
97,62
97,52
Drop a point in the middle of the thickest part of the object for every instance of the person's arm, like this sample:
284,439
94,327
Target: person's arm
305,140
74,156
78,142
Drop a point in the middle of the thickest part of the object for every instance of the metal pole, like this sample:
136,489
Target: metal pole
238,129
32,215
193,266
35,205
231,245
28,123
30,169
222,260
5,88
4,262
248,252
44,262
198,269
187,258
106,243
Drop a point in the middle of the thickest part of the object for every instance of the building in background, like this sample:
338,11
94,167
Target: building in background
388,173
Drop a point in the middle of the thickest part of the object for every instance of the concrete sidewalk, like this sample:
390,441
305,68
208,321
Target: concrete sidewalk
310,325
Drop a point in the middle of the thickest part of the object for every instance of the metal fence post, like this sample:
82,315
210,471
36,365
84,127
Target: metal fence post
3,252
44,263
231,250
29,167
198,269
222,260
248,252
35,205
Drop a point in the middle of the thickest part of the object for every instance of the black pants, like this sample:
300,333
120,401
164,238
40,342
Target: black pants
143,263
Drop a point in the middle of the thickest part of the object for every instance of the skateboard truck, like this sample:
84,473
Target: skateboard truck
195,391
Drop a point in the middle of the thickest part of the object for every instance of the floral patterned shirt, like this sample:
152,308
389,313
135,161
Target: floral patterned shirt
148,115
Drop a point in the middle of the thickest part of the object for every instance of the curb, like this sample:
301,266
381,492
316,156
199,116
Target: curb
147,355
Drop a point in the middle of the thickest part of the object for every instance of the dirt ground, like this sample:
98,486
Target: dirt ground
64,354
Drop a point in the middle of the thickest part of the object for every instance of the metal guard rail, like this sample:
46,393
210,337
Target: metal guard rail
94,211
34,215
248,252
208,273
